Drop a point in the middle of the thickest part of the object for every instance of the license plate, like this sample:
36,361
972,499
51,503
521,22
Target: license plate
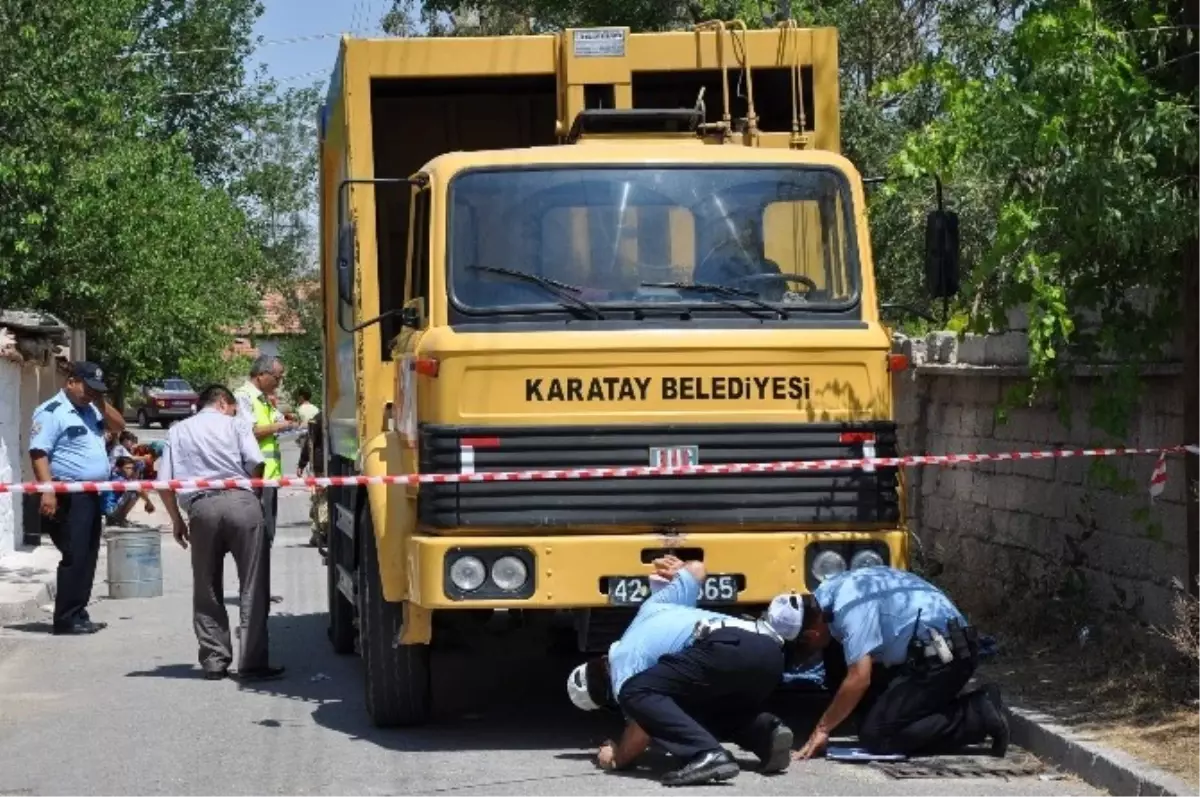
633,590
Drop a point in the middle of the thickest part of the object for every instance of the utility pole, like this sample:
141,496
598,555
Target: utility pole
1189,63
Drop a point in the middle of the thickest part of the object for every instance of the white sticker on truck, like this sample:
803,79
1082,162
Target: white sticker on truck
600,43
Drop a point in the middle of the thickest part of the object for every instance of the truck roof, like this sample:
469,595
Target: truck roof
638,152
772,88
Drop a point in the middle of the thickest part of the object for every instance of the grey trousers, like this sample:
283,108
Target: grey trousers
270,509
230,521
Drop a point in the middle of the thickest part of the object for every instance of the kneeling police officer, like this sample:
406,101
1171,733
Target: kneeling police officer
689,679
908,653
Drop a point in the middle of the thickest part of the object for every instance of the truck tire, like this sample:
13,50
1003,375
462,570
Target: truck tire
396,676
341,610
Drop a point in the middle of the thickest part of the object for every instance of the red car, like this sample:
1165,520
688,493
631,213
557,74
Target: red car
169,400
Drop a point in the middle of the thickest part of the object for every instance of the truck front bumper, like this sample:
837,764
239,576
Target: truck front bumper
565,572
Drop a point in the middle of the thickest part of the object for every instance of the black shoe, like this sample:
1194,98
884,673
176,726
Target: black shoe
216,675
276,599
79,627
710,767
775,756
260,674
995,721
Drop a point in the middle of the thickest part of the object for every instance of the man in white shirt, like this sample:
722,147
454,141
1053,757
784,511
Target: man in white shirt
216,444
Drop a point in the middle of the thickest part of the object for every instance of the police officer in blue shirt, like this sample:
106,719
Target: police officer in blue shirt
908,653
690,678
67,444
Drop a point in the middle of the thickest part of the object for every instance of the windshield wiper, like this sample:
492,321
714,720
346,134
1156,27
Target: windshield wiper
562,290
724,291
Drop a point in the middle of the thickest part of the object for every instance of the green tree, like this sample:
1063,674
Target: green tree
196,53
1092,166
107,218
275,180
302,353
152,262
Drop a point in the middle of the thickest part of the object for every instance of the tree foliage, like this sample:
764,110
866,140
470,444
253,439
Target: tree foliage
1091,168
140,192
302,354
275,180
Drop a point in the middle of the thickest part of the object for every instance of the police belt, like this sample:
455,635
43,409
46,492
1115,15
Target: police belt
704,628
961,643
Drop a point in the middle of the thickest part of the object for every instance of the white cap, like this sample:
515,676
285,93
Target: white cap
786,615
577,689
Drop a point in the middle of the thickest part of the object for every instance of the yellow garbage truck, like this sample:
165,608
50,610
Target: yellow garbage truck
592,249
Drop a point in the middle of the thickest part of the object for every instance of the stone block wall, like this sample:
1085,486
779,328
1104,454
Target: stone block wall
10,453
1006,531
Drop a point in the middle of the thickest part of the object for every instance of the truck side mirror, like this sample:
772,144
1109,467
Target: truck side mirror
941,254
345,263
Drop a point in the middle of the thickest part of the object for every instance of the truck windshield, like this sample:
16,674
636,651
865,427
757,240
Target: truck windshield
643,237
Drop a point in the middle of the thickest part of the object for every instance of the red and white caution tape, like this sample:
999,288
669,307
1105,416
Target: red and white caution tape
1158,477
582,473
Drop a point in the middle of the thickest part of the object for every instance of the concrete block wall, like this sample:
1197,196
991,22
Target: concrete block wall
1016,527
10,453
22,388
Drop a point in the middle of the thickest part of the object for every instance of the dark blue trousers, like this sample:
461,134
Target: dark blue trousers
75,531
712,691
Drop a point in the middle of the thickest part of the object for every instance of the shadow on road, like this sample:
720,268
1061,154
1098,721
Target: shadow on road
506,696
185,672
35,627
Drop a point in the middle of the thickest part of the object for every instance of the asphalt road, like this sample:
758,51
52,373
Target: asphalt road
125,712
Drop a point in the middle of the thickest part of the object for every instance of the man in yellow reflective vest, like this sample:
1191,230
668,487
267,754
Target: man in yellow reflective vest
254,404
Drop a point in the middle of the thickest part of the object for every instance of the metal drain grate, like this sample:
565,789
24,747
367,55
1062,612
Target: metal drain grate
961,768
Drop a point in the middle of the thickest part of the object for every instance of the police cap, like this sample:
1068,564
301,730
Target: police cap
90,374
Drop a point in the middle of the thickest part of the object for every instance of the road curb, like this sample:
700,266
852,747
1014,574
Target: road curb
1098,766
28,609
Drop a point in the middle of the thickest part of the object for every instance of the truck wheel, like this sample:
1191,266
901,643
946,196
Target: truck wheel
396,676
143,420
341,610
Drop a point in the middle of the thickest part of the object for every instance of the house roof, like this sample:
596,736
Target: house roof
31,335
276,316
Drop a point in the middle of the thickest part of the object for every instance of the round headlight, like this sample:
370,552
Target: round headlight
467,573
509,573
866,558
828,564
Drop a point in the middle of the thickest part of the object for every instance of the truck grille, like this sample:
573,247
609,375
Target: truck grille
817,497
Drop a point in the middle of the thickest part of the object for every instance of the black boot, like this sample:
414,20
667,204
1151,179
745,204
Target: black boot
995,721
708,767
776,753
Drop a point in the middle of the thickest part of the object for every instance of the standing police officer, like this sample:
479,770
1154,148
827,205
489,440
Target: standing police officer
67,444
254,404
908,653
689,678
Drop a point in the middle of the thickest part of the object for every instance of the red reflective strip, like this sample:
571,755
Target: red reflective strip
480,442
857,437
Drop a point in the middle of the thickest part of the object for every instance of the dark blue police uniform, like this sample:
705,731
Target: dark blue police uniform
72,438
915,704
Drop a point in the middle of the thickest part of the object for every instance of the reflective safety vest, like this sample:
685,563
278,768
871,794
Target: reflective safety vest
264,415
